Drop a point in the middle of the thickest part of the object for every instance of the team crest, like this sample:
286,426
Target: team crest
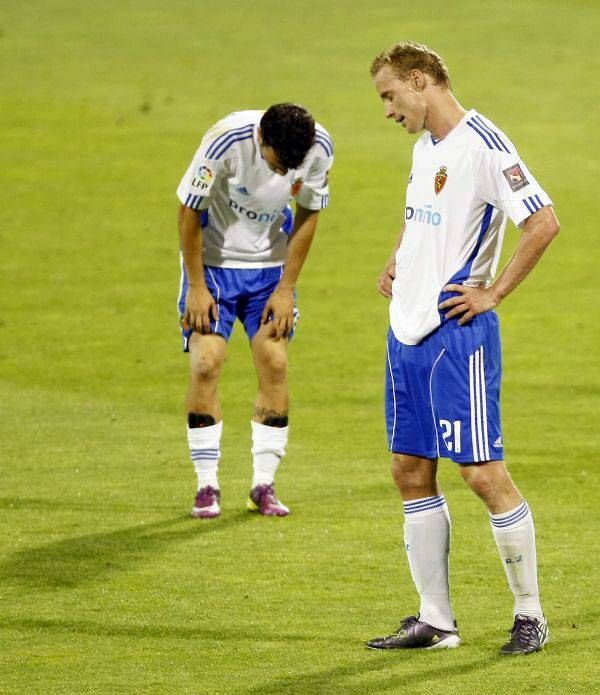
296,186
440,179
515,177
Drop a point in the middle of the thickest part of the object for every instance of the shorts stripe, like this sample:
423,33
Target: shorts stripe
478,398
435,429
218,295
387,349
181,281
472,399
486,443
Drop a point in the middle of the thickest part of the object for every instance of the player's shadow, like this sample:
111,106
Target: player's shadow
202,631
74,561
395,671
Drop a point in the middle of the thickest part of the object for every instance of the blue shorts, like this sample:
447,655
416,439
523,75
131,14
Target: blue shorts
239,292
442,396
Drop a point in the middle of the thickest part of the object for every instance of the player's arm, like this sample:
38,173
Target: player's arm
280,306
200,305
538,231
384,282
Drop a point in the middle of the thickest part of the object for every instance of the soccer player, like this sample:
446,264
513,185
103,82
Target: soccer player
242,251
443,350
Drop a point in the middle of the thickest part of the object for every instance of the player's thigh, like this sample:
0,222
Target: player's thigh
259,285
207,354
270,354
465,391
223,291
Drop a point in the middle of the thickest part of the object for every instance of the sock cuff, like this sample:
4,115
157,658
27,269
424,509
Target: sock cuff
424,507
205,437
266,433
509,520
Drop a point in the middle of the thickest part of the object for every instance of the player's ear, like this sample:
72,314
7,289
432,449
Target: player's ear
259,133
418,80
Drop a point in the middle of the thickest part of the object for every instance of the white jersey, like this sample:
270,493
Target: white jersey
460,192
244,199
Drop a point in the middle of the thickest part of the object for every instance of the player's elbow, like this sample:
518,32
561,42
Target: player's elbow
554,229
550,230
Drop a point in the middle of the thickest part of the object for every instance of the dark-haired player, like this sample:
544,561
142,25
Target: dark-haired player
242,251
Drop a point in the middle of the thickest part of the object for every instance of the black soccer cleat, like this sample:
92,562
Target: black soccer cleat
415,634
528,635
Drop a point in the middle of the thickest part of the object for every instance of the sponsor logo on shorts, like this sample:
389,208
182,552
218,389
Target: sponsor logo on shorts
515,177
440,179
424,215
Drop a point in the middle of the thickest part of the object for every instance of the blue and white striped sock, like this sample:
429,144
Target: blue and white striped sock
427,544
514,534
205,451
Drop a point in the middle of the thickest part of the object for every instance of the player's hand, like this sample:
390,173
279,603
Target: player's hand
388,274
200,309
280,310
470,302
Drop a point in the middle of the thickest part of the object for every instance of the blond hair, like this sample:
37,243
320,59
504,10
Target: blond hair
406,56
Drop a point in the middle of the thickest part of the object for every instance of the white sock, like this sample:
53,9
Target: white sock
515,537
268,447
427,544
205,450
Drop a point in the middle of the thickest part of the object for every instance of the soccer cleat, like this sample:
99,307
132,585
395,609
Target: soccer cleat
415,634
206,504
262,499
528,635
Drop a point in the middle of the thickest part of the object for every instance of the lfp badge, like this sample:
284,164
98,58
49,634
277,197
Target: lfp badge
440,179
202,178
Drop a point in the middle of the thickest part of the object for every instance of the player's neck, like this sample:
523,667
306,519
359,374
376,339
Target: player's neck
443,114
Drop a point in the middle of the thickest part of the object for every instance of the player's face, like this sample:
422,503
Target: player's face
403,99
272,161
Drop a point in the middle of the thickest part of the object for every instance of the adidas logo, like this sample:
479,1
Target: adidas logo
498,443
243,190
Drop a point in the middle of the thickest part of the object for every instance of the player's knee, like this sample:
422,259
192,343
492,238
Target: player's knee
205,367
413,476
274,361
489,481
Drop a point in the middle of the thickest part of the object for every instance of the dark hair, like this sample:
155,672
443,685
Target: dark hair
406,56
290,130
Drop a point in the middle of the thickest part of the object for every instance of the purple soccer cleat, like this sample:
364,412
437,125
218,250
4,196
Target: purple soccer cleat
263,500
206,504
415,634
528,635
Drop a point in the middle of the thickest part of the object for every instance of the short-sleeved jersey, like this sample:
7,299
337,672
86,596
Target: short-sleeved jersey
460,192
244,199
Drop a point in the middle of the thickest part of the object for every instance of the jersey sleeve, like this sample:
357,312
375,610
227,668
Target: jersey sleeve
503,179
314,192
199,180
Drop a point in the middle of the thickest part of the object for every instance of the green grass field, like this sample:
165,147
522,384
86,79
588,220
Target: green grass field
106,584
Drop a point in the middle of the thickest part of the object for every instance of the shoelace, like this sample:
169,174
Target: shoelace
412,620
524,631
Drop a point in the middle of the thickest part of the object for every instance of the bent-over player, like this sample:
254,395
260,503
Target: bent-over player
242,251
